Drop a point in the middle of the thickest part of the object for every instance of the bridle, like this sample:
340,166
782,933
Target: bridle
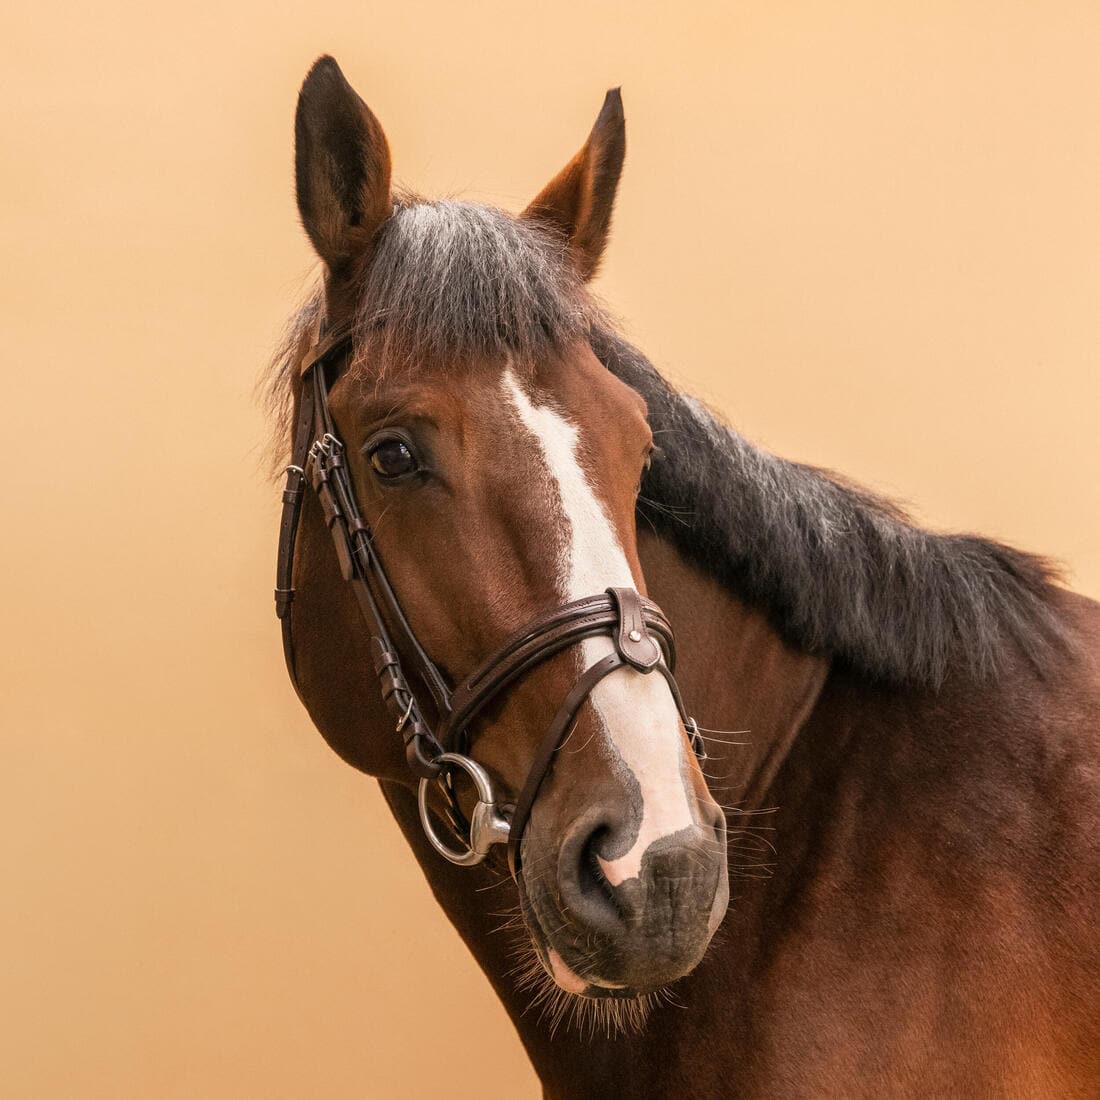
641,634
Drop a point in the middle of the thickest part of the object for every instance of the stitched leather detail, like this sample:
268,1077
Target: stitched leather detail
632,638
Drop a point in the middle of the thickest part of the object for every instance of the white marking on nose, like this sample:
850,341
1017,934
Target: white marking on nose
637,710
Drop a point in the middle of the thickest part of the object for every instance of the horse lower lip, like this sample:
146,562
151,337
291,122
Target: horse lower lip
601,993
544,946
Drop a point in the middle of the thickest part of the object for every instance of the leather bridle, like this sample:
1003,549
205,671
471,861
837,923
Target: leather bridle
641,634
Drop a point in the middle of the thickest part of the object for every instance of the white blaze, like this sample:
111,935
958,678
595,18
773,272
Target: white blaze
637,710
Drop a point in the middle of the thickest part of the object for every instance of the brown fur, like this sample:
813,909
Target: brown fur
915,871
931,926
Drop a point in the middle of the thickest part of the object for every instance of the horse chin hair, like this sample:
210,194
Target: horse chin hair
588,1016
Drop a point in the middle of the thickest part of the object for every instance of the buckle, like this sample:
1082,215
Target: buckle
698,745
326,454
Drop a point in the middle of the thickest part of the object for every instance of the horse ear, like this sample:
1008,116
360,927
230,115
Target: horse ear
342,167
577,202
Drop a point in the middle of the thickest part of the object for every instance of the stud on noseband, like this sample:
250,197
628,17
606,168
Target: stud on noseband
632,639
641,634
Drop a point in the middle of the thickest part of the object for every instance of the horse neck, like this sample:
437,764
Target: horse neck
736,675
739,679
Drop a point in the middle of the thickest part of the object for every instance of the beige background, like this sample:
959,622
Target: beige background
869,233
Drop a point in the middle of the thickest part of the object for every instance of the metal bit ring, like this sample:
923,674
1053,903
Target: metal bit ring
488,825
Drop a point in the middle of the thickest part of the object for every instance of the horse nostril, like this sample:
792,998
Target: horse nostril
591,880
587,897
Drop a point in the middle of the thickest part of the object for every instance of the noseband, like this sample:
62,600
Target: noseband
641,634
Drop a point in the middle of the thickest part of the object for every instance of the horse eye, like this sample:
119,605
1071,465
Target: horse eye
392,458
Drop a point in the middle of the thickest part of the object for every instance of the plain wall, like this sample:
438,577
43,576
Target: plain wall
868,233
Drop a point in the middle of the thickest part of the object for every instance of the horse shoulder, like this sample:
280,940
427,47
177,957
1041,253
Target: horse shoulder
935,917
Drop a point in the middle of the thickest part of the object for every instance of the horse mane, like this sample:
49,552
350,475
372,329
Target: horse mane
838,570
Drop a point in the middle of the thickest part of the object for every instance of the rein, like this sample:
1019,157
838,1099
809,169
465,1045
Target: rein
641,634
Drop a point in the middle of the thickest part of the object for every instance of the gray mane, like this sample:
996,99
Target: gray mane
448,281
454,280
837,570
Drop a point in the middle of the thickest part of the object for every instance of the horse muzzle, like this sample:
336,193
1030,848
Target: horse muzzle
642,933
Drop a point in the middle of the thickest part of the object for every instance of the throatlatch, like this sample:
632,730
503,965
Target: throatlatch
641,634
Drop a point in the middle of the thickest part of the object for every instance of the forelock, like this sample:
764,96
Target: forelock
453,280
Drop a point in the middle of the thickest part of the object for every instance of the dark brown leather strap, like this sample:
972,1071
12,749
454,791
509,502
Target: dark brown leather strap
550,634
326,344
304,435
360,566
318,457
559,729
288,527
633,639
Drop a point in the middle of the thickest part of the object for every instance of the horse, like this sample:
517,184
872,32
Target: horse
791,797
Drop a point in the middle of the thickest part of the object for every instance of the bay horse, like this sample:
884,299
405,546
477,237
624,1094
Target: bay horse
896,893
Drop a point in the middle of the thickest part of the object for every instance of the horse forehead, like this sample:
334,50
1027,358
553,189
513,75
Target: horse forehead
469,403
572,380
